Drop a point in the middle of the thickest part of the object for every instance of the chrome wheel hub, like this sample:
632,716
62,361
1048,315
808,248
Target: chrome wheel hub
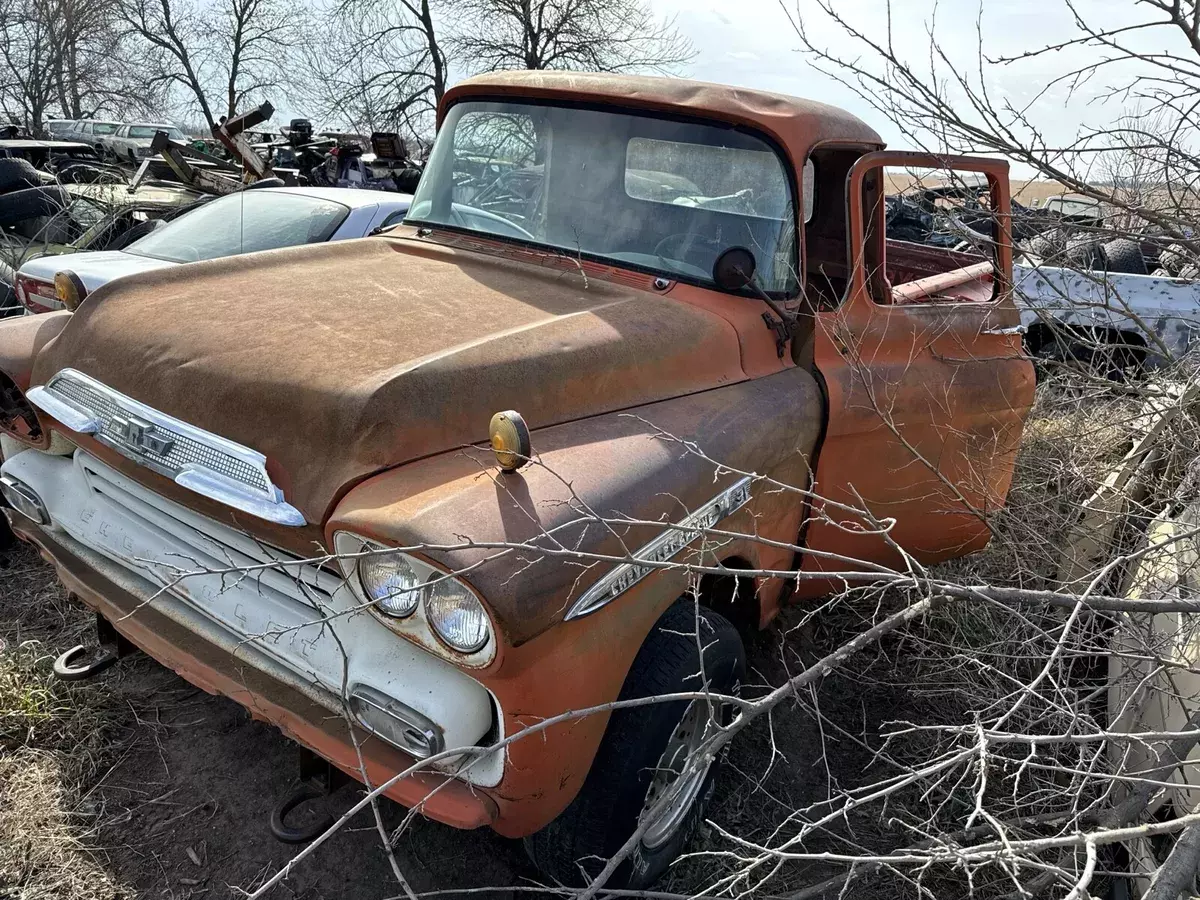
675,785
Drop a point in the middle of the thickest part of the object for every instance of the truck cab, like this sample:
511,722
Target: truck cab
450,504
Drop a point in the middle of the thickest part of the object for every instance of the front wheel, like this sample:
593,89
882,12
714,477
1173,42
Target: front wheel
654,767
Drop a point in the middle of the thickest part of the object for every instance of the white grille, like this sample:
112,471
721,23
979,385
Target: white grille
184,451
196,459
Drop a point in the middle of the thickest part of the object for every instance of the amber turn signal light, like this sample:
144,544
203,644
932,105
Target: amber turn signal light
69,289
510,440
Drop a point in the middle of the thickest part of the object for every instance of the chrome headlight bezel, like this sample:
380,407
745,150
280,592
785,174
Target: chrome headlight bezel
420,623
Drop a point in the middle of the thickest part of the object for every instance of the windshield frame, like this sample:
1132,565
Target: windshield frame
780,151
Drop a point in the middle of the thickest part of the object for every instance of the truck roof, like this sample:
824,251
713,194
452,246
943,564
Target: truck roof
796,123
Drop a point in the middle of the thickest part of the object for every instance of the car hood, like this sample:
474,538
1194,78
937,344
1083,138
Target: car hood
341,360
96,268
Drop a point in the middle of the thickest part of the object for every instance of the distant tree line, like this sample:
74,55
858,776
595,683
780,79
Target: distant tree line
359,64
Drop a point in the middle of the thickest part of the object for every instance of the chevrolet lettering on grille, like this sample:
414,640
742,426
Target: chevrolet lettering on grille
199,460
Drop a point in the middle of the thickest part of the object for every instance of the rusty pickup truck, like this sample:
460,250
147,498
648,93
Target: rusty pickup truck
343,484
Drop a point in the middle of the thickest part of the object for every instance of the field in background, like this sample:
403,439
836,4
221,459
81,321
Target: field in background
1029,192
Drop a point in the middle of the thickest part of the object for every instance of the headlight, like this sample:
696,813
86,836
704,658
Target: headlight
433,606
457,616
388,580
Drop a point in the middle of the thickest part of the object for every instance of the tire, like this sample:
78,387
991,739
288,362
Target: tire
30,203
1084,252
1044,248
575,847
17,174
1174,258
1125,256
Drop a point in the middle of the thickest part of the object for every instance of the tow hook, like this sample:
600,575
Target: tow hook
111,645
317,779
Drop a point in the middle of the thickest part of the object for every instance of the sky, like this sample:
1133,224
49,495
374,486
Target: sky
751,43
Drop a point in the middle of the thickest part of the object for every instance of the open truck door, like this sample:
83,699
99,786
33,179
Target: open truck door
925,378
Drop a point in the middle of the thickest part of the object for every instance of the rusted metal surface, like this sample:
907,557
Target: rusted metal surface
927,402
796,125
364,353
367,374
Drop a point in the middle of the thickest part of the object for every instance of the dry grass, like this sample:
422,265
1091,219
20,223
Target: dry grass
958,666
55,739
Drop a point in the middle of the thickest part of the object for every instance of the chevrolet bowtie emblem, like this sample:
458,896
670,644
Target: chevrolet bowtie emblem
140,435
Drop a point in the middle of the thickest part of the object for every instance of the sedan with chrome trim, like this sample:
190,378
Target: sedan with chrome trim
457,506
245,222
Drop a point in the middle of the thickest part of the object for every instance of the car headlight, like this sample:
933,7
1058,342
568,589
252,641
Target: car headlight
457,616
405,588
391,583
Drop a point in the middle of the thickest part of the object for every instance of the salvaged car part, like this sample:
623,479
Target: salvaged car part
510,440
69,289
323,416
317,780
81,663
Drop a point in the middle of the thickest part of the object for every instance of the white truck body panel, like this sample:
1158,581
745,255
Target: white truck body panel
298,616
1164,312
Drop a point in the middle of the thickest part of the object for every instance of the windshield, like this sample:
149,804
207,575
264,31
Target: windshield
656,194
244,222
104,128
1074,206
147,131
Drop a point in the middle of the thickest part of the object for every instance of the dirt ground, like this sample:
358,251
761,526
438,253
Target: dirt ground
165,791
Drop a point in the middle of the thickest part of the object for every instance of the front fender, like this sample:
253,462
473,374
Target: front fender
617,464
22,339
620,465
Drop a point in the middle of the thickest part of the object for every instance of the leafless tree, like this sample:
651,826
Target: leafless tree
30,58
379,67
221,56
588,35
942,95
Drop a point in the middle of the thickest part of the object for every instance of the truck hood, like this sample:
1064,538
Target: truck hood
96,268
341,360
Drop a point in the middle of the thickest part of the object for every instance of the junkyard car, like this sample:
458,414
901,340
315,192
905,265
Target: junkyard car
246,222
94,133
270,412
43,154
131,143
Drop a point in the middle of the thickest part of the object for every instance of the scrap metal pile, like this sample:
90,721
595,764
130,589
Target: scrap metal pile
61,197
1069,231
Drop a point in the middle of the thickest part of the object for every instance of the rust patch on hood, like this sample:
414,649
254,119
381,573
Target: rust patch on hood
343,360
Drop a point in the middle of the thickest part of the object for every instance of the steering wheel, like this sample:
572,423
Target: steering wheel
689,244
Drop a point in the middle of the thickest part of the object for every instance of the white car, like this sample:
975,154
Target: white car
131,143
95,133
245,222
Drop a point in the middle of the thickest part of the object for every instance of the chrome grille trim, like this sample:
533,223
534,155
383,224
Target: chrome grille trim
206,463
